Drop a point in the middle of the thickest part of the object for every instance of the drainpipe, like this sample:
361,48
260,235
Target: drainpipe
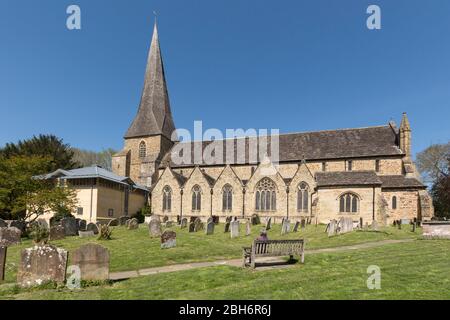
287,202
373,203
243,202
181,204
211,201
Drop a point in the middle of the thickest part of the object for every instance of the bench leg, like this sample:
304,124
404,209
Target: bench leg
302,258
252,261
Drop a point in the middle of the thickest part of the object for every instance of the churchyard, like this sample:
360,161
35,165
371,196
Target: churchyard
409,269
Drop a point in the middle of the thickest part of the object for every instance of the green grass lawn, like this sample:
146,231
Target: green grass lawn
134,249
413,270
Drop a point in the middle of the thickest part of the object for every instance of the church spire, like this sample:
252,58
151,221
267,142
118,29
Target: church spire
405,136
154,116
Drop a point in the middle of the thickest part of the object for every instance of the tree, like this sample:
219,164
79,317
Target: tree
88,158
441,194
432,162
23,196
50,146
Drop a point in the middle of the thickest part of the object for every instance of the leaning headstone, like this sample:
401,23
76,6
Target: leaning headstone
361,223
3,224
227,227
82,225
133,224
42,264
215,219
183,223
2,262
413,227
199,226
285,226
154,227
93,261
331,228
374,225
210,219
234,227
113,223
303,223
70,226
210,228
228,219
197,223
191,227
296,225
92,227
9,236
168,239
56,233
268,223
86,234
248,228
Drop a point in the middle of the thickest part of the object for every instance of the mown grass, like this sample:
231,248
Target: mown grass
413,270
134,249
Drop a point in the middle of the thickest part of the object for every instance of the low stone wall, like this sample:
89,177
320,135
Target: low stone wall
436,229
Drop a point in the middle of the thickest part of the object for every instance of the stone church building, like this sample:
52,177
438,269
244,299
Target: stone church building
362,172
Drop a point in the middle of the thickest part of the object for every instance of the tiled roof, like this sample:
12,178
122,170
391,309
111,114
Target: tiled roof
319,145
347,178
399,181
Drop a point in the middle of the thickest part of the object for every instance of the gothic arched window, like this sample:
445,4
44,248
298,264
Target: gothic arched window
227,198
167,199
394,202
142,149
303,197
265,198
196,198
348,203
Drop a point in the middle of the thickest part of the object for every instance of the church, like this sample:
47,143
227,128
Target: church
363,173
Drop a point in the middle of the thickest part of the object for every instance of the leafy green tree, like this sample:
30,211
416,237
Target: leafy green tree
23,196
50,146
88,158
441,194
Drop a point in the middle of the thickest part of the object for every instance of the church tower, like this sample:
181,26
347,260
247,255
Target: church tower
405,136
148,138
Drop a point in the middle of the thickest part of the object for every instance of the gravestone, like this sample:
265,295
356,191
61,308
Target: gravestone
19,224
296,225
413,227
169,224
248,228
42,264
210,219
228,219
331,228
93,260
147,219
399,224
303,223
191,227
234,227
197,223
81,225
132,224
168,239
199,226
178,219
154,227
3,224
210,228
165,219
183,223
113,223
3,251
56,233
9,236
374,225
192,219
92,227
227,227
70,226
215,219
361,223
123,220
255,219
285,226
86,234
268,223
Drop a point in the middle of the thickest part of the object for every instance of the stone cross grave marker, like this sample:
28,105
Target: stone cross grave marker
42,264
93,260
234,227
168,239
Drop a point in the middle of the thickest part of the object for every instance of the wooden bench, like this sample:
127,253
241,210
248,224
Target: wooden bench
273,248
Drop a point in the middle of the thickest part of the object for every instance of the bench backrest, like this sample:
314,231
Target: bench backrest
277,247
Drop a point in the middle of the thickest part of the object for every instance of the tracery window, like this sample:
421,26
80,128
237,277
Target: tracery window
265,198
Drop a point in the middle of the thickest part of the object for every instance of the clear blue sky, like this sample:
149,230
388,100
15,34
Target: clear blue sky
296,65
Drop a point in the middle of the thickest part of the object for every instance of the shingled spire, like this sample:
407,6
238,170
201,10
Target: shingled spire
154,116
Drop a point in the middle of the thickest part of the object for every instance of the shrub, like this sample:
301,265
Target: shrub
38,233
